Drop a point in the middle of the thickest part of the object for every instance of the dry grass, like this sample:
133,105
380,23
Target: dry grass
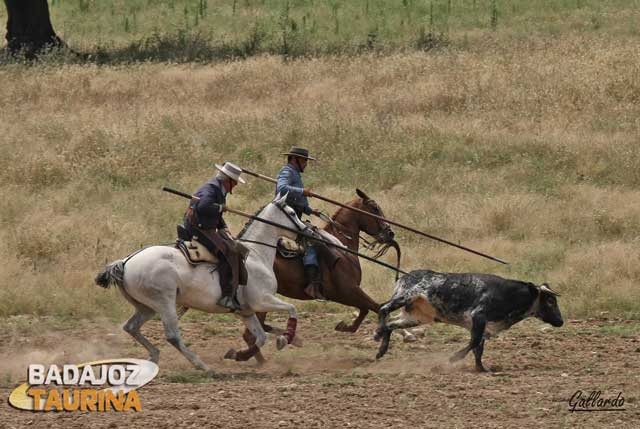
527,151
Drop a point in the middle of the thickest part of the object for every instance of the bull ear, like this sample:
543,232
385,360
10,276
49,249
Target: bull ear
545,288
362,194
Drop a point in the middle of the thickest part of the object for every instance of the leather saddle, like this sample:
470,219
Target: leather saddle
289,249
292,249
193,250
196,253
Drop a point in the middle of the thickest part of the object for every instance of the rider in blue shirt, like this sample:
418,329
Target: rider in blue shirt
289,181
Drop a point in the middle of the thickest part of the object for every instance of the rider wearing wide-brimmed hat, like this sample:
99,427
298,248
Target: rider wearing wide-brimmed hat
289,181
204,221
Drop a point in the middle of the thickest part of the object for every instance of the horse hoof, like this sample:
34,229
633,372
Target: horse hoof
341,327
231,354
209,373
297,341
281,342
409,338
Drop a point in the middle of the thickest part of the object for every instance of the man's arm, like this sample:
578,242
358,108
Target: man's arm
283,185
209,205
307,209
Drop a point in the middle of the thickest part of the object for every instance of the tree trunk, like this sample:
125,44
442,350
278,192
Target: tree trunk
29,28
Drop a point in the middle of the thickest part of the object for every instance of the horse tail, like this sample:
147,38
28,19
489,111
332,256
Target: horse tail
113,274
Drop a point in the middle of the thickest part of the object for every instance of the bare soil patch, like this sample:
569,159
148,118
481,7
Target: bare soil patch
334,380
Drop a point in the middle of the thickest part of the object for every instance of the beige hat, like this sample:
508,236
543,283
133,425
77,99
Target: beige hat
232,171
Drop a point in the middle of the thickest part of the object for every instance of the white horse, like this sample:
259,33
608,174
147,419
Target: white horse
158,278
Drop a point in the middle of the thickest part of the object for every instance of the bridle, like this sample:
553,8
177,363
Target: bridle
367,244
271,245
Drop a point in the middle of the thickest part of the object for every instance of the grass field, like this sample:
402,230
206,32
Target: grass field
519,143
117,31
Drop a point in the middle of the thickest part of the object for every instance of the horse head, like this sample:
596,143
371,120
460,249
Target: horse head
376,228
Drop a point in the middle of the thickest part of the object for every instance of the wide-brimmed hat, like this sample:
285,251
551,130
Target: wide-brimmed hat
299,152
232,171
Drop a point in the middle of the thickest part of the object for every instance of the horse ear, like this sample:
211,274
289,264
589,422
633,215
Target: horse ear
280,199
362,194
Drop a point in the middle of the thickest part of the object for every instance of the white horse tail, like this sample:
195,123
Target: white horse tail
113,274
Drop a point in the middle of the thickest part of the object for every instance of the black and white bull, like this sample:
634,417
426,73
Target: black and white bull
483,303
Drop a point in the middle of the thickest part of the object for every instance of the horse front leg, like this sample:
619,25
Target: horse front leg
352,295
269,303
250,339
343,327
253,326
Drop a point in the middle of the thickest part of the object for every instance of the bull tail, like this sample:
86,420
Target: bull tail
113,274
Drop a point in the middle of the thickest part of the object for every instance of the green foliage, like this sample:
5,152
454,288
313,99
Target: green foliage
203,30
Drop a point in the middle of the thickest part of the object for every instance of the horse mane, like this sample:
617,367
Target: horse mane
248,224
343,209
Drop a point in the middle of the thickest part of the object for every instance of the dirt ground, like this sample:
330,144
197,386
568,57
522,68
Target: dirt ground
335,381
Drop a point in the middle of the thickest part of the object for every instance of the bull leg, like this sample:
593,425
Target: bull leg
479,321
383,332
478,354
384,312
407,336
396,324
384,345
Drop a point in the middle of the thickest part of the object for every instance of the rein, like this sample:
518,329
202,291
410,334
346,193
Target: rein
340,229
257,242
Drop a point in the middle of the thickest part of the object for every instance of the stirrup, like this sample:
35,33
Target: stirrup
313,291
229,302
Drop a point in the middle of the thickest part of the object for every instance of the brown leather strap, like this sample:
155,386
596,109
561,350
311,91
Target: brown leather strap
228,250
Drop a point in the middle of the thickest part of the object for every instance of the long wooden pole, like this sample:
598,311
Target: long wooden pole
286,228
408,228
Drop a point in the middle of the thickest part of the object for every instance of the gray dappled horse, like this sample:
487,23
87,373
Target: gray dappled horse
158,278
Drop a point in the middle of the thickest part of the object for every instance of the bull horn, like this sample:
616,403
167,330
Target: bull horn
545,288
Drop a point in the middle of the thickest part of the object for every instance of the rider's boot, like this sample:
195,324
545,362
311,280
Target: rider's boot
314,283
228,299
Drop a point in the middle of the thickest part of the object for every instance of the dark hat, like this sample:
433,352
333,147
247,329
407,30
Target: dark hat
299,152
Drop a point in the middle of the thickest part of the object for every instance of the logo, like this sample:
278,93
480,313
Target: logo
581,401
105,385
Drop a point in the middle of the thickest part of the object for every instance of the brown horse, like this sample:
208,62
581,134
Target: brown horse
340,283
